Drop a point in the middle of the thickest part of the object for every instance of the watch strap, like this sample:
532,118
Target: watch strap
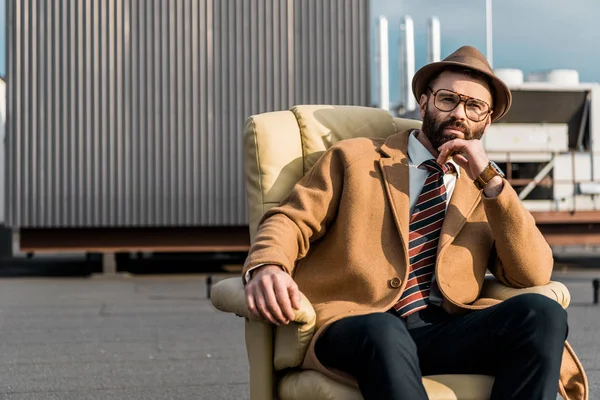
491,171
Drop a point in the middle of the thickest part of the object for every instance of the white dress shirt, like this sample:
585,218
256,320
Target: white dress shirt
417,154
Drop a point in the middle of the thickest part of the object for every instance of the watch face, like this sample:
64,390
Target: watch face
497,168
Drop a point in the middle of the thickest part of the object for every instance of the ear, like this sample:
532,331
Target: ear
423,105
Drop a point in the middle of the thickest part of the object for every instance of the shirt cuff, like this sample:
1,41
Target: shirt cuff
248,274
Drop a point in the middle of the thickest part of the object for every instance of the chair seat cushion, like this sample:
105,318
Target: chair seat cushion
313,385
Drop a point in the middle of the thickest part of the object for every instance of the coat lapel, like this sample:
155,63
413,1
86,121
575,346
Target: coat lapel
394,169
395,176
462,203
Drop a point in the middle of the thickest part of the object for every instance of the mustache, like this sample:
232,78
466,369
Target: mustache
455,124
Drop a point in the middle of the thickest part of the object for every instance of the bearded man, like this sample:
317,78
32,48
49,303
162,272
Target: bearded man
390,241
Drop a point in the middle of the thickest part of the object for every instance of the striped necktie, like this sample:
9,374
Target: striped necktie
424,233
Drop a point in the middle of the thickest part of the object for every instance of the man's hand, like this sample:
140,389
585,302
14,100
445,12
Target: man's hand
472,158
468,154
271,294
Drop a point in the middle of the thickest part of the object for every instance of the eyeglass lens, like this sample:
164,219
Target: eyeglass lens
446,100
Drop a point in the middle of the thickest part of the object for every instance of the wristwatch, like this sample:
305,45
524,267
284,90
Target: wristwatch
490,172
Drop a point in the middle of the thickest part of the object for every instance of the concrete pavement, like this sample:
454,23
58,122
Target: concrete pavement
158,337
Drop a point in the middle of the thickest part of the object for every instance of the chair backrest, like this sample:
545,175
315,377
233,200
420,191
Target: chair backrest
281,146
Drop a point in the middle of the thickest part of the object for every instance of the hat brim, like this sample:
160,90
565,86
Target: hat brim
502,95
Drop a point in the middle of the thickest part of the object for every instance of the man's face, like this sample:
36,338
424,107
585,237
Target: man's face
440,126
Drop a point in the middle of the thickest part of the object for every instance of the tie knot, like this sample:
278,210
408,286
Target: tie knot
433,166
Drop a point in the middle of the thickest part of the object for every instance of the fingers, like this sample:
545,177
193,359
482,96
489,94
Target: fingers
447,150
443,158
269,297
263,309
257,304
251,303
471,150
468,154
283,300
446,155
454,146
294,293
461,161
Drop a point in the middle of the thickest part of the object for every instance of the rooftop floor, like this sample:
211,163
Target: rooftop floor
158,337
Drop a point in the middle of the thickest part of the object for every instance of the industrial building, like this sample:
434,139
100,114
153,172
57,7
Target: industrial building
125,117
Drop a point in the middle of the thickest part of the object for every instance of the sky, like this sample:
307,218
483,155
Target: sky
530,35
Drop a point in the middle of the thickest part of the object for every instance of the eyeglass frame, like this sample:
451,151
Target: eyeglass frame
462,99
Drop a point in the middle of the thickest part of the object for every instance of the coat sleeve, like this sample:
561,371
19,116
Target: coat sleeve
522,257
286,231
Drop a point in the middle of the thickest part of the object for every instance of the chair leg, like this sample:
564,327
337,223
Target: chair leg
209,281
259,345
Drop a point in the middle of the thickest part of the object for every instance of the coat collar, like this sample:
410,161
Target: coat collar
396,146
395,169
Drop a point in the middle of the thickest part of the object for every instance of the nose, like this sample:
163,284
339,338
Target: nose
460,111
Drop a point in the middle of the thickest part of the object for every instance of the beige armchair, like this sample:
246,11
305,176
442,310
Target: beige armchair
279,148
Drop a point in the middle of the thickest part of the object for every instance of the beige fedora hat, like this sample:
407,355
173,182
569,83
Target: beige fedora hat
471,58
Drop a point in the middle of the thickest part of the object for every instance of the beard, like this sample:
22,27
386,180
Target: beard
434,130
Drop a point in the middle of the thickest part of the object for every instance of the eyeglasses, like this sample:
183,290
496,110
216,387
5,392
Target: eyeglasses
447,100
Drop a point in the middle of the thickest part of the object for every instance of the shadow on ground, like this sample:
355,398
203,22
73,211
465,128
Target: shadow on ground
81,266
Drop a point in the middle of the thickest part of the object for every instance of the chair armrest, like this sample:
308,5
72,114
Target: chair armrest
494,289
228,296
291,341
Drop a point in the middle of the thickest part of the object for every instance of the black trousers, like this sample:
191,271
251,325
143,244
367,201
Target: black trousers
519,342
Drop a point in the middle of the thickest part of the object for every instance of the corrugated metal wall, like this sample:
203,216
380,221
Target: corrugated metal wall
130,112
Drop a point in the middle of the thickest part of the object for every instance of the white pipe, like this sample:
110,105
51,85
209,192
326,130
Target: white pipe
488,31
384,67
434,53
408,67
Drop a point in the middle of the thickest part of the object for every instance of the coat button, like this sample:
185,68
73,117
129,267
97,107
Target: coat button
395,283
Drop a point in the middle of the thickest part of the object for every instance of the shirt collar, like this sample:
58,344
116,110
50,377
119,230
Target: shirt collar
417,153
